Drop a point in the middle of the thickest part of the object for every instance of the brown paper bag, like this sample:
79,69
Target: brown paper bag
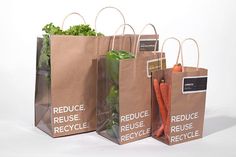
184,104
124,114
66,104
65,93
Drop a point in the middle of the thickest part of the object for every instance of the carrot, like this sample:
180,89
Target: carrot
160,101
177,68
168,106
164,88
167,127
159,131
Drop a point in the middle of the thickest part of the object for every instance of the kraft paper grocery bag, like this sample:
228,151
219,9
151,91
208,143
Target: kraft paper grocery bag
65,93
178,102
124,86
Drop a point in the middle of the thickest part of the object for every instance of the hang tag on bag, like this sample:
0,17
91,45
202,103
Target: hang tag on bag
148,44
194,84
155,64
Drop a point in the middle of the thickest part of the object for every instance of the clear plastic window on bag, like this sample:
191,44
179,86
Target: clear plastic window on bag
108,95
42,91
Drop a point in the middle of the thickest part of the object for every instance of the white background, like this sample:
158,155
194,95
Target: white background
211,22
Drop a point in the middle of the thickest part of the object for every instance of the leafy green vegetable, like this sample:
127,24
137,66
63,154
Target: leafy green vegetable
113,99
80,30
50,29
112,66
44,58
118,55
112,61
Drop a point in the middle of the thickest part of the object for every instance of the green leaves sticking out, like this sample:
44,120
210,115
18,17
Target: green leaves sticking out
80,30
77,30
50,29
118,55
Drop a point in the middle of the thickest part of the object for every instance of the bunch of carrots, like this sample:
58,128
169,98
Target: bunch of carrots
162,90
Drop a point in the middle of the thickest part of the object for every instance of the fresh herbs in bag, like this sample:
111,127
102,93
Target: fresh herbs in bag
112,65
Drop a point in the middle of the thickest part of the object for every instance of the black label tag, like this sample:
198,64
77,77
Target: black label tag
148,45
194,84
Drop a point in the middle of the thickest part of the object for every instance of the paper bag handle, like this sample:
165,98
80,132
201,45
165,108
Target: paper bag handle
73,13
123,25
109,7
137,45
198,51
179,52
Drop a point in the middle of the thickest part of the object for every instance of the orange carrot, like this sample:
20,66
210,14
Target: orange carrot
164,88
167,127
159,131
160,101
177,68
168,106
